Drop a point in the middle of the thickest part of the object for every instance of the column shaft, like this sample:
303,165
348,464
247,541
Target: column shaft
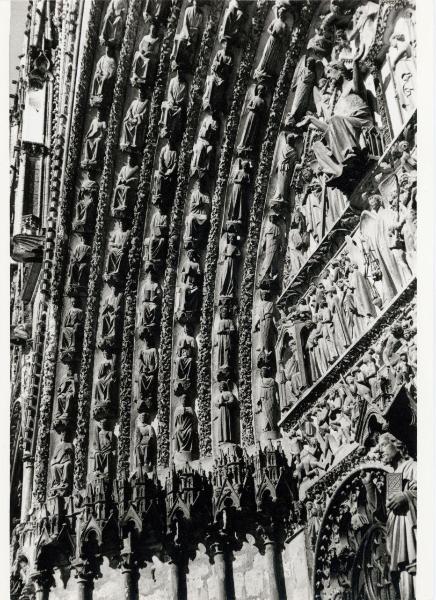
26,497
84,589
131,578
224,574
178,581
274,565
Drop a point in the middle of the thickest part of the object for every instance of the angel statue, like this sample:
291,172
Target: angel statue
340,147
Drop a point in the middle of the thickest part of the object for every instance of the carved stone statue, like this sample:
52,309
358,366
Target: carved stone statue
145,445
72,332
78,269
232,24
255,117
263,322
105,384
61,465
93,151
148,360
298,242
127,183
155,246
151,299
401,522
185,424
240,180
186,41
189,285
304,89
214,98
110,315
134,124
203,150
228,261
341,145
105,449
117,255
226,331
156,10
114,21
311,205
268,402
374,226
86,203
146,58
285,167
270,247
227,406
66,394
274,49
174,108
198,217
184,371
104,79
165,176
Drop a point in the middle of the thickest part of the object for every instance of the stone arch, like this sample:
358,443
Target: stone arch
350,561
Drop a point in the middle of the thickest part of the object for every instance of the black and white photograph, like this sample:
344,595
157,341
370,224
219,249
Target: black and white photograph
213,273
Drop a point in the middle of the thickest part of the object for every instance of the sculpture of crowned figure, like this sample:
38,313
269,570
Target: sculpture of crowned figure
146,58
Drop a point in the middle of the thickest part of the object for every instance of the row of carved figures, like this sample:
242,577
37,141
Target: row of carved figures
353,290
132,139
188,297
195,232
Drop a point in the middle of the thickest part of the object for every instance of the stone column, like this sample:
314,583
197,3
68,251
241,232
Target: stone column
85,575
223,559
274,566
130,570
43,582
179,589
26,495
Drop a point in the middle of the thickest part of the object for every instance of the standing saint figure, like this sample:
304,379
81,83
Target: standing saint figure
185,422
255,115
165,175
229,256
227,405
105,447
401,522
263,322
225,331
270,248
274,49
239,197
145,444
268,401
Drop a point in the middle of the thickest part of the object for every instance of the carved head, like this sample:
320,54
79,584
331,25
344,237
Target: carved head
375,201
223,386
392,449
336,72
260,90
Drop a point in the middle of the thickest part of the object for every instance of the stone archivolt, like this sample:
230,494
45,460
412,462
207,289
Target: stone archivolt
246,171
